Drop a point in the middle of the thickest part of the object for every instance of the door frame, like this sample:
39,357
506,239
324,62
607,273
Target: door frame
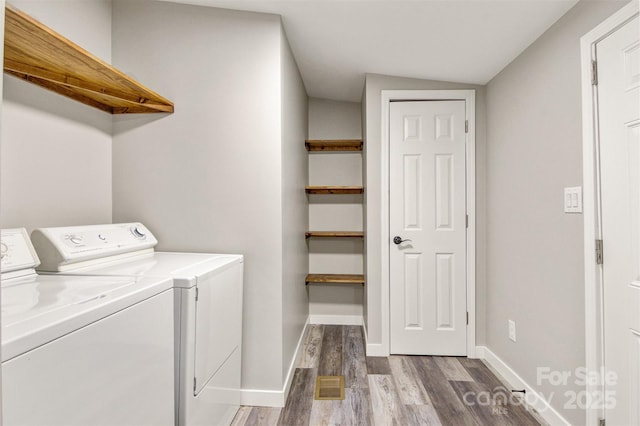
594,308
469,96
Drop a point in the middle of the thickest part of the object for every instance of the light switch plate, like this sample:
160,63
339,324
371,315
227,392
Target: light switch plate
573,199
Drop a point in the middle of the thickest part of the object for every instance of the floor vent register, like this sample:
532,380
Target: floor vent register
329,387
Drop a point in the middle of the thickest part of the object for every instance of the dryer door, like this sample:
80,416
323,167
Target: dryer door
218,321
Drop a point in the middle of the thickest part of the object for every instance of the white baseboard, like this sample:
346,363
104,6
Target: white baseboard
293,363
373,349
376,349
275,398
262,398
336,319
533,398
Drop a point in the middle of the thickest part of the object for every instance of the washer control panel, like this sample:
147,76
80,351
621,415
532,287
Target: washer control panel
72,245
16,251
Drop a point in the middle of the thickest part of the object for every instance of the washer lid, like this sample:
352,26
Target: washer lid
185,268
39,309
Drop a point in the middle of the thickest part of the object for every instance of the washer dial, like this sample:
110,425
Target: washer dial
138,233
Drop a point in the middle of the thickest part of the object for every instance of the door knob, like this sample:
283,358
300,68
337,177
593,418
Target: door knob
398,240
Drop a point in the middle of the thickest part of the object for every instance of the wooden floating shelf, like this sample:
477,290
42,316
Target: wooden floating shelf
334,279
334,145
37,54
334,189
334,234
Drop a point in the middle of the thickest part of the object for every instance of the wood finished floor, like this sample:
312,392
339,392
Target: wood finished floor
385,391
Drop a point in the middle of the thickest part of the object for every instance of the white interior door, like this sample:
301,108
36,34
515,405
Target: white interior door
428,210
618,57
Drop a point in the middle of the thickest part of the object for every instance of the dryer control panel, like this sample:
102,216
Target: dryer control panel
67,248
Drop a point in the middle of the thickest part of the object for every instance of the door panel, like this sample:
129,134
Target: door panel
619,122
412,192
445,309
444,197
413,310
427,209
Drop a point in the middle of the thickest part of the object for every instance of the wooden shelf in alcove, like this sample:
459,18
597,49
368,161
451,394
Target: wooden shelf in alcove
334,189
334,234
333,145
37,54
335,279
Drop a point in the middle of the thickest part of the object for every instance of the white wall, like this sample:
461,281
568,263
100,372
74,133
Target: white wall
210,176
534,262
335,120
295,218
372,101
56,152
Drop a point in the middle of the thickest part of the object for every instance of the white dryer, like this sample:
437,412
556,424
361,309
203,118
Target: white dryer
208,306
83,350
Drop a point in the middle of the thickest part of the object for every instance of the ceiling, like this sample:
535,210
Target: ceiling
336,42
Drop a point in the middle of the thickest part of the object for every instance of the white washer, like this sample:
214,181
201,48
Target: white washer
208,306
83,350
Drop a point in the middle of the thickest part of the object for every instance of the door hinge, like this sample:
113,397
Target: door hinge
466,126
466,221
197,294
194,385
599,252
467,318
594,73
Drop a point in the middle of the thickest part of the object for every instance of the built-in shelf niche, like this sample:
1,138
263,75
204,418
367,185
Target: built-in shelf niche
335,146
